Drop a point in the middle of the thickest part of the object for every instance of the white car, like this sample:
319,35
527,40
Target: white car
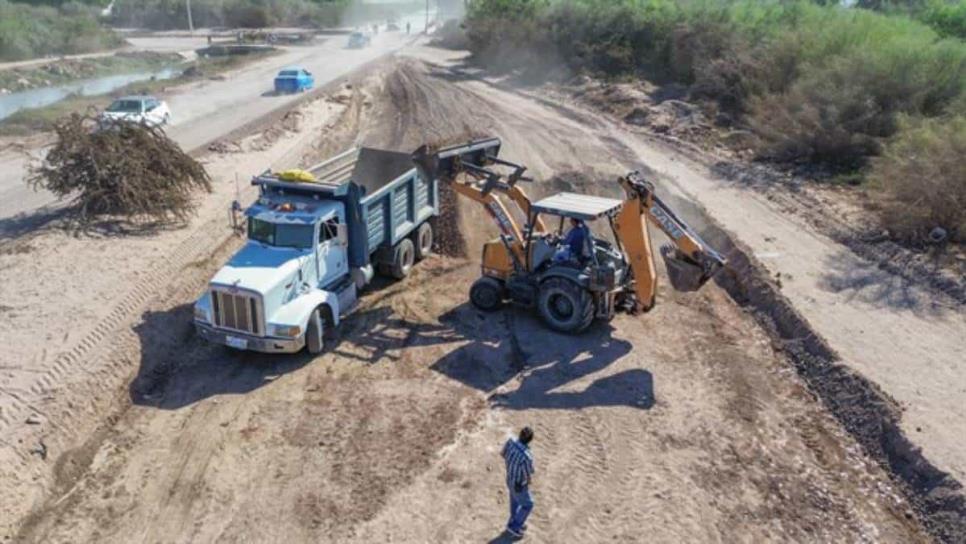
139,109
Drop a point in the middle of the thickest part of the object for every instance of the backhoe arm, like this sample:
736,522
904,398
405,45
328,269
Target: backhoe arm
690,261
464,168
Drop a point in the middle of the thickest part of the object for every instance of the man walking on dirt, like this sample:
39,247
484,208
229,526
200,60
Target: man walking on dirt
519,471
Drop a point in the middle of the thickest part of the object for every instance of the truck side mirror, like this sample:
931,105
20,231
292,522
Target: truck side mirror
342,234
233,216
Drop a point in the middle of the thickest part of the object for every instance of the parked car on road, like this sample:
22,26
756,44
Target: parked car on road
139,109
293,79
358,40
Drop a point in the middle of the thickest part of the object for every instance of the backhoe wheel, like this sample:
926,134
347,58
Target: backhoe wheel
487,294
313,333
403,256
424,241
565,306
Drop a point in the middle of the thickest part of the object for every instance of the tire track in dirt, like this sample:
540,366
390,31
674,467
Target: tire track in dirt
197,446
199,245
595,462
198,438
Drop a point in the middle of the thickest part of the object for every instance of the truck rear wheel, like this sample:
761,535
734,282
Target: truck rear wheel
565,306
487,294
424,241
403,257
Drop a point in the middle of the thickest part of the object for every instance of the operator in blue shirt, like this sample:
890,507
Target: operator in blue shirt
573,243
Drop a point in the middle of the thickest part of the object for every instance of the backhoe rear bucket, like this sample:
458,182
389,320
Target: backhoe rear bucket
684,274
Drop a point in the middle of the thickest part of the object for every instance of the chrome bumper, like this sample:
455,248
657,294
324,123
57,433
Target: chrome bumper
254,343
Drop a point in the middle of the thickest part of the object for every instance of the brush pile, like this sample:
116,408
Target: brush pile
119,170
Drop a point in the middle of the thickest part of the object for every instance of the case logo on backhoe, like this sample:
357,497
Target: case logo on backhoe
502,220
669,225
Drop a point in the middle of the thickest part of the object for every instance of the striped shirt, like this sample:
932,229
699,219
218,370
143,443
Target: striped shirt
519,463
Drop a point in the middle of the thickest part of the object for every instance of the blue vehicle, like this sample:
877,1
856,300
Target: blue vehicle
358,40
293,80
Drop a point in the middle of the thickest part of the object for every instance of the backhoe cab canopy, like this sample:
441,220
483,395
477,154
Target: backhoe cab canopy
575,206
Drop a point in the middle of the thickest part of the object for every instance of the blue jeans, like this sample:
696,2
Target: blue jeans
520,506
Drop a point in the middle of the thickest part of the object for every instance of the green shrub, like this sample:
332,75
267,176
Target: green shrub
248,16
838,114
821,84
946,17
28,31
921,180
171,14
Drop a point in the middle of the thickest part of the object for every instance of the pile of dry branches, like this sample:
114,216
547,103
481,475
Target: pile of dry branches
120,169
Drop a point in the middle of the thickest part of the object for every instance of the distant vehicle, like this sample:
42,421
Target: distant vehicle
293,80
392,27
139,109
358,40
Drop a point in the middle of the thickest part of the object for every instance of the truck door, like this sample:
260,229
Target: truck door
332,254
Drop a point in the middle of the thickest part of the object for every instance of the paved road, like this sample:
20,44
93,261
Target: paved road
202,113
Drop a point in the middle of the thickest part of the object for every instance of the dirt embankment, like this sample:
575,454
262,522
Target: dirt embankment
848,215
685,423
928,280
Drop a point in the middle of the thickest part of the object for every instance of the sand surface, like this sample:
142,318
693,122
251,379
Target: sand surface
683,424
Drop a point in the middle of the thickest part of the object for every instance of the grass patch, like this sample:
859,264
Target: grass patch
30,31
921,180
165,14
948,18
59,72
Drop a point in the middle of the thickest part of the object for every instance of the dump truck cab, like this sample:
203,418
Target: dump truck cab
294,261
305,226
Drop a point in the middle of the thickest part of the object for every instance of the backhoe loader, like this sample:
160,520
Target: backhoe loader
527,264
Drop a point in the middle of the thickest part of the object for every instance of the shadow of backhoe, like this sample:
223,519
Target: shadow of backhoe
493,349
544,362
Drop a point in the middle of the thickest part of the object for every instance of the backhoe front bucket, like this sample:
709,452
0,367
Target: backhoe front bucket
684,274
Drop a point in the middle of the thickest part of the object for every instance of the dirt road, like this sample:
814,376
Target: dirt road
684,424
204,111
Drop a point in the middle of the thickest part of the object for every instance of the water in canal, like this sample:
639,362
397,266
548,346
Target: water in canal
37,98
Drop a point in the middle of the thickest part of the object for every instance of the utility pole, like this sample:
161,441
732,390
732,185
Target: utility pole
191,26
427,17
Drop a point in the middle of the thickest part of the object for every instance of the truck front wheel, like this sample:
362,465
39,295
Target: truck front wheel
403,256
313,333
424,241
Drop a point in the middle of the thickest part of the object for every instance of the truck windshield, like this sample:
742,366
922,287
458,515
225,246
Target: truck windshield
280,235
125,106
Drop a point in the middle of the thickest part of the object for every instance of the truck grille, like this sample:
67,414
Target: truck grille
237,311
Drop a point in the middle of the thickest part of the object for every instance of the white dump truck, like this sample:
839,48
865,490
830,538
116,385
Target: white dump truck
315,238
